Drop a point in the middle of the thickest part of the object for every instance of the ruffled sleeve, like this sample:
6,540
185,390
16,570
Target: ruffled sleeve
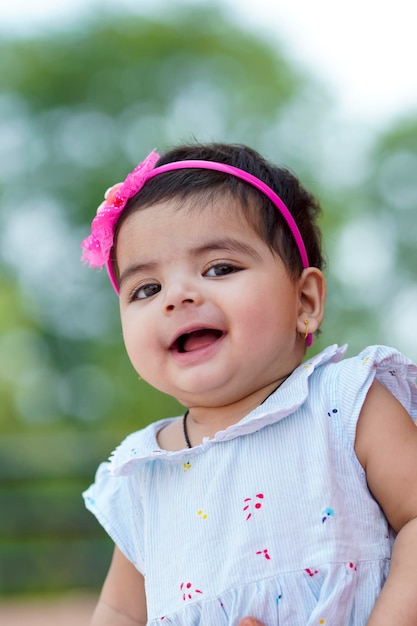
348,383
111,500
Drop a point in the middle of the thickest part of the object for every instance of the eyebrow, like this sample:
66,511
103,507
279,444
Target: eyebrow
227,244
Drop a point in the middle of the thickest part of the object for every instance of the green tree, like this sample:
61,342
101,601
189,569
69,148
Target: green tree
373,256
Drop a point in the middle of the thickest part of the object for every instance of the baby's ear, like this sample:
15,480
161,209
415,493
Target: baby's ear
312,296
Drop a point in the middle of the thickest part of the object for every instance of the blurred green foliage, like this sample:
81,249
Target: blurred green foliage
78,109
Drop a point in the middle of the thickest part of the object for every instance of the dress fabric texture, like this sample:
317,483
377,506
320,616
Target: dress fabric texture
272,517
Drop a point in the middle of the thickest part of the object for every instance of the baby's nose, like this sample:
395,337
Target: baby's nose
181,294
171,306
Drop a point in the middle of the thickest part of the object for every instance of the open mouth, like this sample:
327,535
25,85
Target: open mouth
196,340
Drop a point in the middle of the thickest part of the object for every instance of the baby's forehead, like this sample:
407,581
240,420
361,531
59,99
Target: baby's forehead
196,208
195,200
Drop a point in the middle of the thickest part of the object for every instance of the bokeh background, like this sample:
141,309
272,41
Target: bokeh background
86,92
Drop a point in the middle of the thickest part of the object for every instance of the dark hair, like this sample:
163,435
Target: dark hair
260,211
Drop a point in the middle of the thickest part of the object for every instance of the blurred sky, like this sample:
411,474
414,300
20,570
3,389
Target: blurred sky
365,50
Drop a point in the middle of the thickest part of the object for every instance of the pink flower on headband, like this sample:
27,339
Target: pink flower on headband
96,248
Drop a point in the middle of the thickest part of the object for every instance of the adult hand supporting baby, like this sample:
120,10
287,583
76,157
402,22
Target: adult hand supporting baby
250,621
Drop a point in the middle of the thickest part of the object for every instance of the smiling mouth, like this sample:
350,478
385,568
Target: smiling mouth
196,340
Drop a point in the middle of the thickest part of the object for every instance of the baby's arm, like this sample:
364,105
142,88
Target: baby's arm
386,445
122,600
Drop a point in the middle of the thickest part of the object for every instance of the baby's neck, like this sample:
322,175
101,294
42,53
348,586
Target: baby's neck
205,422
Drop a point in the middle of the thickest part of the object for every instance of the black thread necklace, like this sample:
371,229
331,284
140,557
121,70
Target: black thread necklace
184,430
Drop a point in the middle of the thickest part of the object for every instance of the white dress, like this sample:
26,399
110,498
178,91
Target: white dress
270,518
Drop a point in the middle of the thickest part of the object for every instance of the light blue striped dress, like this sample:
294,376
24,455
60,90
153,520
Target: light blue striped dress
272,517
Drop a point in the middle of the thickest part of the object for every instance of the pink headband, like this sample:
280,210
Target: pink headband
97,247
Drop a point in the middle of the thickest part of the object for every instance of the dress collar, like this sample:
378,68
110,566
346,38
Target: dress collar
142,445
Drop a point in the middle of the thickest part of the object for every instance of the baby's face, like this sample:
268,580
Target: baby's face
208,311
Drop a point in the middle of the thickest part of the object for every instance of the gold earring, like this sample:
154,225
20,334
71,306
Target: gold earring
139,377
306,332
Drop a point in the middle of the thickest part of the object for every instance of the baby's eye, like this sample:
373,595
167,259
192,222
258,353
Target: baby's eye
221,269
146,291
